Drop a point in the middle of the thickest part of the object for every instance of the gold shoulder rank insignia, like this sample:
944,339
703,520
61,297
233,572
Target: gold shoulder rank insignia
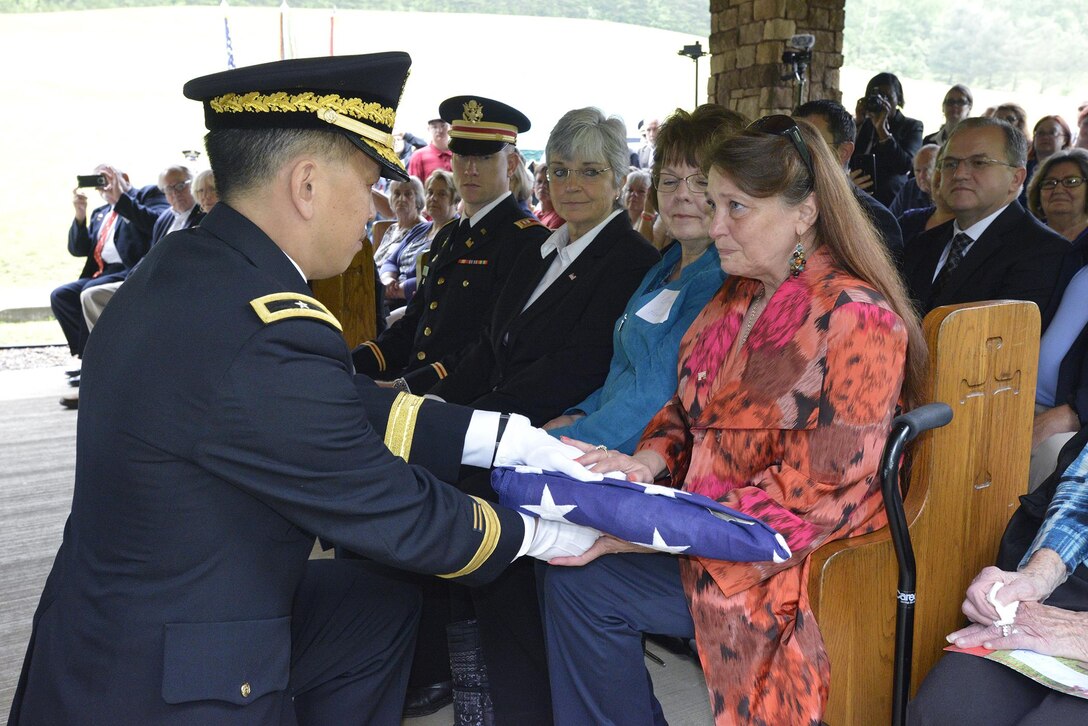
284,305
527,223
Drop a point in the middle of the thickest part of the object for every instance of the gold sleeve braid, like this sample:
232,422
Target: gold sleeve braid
484,519
401,426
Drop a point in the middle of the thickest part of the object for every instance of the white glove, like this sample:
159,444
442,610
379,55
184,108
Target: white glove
560,539
524,445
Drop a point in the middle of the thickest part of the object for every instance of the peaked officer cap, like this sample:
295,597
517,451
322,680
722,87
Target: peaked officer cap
355,95
481,126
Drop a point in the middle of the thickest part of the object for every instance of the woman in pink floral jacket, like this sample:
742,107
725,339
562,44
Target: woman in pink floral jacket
788,381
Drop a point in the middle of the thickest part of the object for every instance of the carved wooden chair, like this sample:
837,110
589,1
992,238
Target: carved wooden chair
964,482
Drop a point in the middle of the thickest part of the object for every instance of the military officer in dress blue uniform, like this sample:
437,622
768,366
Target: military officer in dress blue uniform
469,260
222,429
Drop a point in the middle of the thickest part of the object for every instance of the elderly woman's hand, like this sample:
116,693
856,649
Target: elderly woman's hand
642,467
1041,628
1034,583
606,544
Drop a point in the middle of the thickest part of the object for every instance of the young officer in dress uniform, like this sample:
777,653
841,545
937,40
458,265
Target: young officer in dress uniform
222,428
470,259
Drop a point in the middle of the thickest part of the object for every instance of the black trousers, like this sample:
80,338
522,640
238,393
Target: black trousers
352,634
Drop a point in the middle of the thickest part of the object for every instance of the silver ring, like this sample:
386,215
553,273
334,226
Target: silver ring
1006,630
601,447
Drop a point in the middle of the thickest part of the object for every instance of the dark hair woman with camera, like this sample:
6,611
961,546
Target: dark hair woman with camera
887,140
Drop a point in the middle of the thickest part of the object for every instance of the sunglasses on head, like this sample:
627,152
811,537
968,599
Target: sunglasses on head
781,125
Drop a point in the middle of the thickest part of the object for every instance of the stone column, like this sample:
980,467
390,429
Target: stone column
747,39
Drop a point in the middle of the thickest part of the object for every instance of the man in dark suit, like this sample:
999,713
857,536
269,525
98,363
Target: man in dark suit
993,249
469,260
223,429
182,213
118,237
838,129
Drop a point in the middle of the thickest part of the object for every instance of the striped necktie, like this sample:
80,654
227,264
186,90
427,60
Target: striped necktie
955,256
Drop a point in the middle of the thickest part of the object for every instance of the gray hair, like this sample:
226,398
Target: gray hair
636,174
1016,144
417,188
183,170
588,134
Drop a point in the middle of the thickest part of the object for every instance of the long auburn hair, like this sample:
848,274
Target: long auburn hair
766,165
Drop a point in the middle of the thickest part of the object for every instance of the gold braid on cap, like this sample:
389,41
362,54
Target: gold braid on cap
347,113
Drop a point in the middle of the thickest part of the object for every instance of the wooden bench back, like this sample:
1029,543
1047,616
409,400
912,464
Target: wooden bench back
965,480
350,297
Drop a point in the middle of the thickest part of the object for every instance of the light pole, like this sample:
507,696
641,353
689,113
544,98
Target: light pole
695,52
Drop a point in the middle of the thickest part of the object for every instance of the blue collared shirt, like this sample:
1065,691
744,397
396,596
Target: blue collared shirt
1065,529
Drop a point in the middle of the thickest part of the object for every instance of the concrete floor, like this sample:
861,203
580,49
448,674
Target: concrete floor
37,462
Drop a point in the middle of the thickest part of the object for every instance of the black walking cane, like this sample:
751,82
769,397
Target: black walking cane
905,428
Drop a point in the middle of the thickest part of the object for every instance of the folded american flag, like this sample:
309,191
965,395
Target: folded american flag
666,519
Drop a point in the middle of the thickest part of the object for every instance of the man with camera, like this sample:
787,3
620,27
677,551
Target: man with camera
113,238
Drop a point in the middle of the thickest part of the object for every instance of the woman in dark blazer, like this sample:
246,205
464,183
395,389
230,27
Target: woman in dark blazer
548,346
549,342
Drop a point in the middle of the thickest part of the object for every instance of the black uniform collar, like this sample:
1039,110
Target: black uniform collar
248,239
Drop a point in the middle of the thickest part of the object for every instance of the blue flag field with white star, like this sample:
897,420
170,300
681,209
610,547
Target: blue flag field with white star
665,519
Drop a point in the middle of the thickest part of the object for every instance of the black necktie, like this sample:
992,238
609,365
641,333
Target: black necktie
955,256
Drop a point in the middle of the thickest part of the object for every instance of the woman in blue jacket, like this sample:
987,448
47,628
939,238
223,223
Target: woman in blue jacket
646,338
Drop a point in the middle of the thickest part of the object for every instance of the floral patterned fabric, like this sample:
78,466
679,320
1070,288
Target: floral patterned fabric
788,429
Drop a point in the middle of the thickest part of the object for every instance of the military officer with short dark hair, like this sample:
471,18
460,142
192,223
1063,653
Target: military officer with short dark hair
469,260
222,429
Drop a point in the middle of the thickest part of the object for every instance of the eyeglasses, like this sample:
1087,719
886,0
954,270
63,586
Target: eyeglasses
956,102
668,183
780,125
562,174
949,164
176,188
1069,182
1055,132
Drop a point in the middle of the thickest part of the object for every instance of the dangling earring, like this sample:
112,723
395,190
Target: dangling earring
797,260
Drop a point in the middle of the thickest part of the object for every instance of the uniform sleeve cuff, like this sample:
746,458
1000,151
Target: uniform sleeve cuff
480,439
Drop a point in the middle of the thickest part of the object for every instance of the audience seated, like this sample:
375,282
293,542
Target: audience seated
885,134
956,107
1050,135
545,212
646,338
993,249
521,185
183,212
1058,195
916,193
547,345
915,221
398,273
113,238
837,128
204,190
1042,567
406,199
633,194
